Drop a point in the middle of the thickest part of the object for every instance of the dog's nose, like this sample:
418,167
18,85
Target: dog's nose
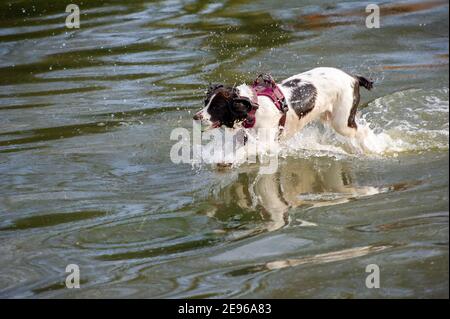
198,116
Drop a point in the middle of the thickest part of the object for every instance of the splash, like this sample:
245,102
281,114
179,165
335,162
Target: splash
407,121
319,140
233,147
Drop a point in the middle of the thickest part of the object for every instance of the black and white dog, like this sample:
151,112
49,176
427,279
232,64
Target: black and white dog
328,94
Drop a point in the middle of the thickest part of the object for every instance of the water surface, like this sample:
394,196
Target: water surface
86,178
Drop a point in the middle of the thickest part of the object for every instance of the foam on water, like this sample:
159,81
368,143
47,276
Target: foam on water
321,140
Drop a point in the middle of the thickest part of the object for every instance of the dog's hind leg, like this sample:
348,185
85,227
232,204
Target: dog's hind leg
363,139
344,112
343,119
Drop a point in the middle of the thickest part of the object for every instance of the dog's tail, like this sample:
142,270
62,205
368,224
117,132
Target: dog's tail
365,82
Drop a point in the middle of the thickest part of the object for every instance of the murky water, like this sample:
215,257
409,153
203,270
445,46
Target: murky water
86,178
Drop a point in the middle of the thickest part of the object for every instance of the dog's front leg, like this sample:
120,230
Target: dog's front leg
234,147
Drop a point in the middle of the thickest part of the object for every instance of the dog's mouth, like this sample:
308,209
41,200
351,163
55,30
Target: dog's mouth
216,124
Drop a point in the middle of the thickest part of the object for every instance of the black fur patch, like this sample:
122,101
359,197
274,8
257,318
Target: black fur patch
291,83
226,108
303,99
364,82
356,97
211,90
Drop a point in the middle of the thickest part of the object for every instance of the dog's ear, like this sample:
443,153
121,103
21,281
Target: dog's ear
214,87
241,108
211,89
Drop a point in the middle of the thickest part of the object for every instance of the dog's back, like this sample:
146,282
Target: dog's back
324,93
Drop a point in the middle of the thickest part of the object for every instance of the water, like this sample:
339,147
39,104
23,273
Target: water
86,178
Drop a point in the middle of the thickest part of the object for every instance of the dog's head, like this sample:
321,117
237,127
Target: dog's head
223,106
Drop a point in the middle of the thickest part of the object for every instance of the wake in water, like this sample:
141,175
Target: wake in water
319,140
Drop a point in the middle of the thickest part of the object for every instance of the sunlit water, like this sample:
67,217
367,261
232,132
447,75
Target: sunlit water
86,176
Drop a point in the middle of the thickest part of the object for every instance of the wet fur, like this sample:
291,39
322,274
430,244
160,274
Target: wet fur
328,94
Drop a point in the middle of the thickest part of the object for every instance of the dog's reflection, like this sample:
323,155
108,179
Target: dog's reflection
268,198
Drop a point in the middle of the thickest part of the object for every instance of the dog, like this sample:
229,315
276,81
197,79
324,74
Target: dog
327,94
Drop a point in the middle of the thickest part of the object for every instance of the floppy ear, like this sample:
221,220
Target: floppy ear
213,87
241,108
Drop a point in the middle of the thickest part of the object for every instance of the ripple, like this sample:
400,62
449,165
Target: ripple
49,220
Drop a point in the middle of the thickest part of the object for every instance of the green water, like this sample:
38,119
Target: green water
86,177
